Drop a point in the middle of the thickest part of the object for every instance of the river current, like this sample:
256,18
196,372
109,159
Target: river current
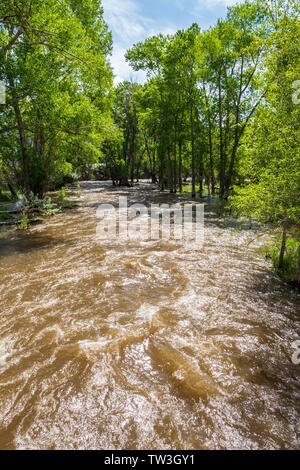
144,344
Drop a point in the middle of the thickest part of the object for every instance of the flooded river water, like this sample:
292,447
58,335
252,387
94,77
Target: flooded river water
143,345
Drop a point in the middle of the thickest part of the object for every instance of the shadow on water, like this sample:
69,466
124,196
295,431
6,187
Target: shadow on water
148,193
26,242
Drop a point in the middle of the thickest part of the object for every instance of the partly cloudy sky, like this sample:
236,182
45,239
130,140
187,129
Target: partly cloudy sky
134,20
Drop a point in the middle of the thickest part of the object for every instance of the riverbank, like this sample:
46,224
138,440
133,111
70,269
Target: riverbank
21,213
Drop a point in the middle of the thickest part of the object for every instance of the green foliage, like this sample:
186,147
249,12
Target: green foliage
45,206
289,269
121,147
62,194
58,82
5,196
4,216
23,224
217,106
271,164
203,89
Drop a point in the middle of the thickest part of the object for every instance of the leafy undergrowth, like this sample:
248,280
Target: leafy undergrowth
33,209
5,196
289,271
4,216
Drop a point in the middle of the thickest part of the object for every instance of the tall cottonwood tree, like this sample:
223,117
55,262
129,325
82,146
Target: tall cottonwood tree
272,157
54,64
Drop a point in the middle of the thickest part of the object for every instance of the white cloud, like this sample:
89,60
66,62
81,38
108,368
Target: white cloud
122,69
125,19
214,4
196,5
129,26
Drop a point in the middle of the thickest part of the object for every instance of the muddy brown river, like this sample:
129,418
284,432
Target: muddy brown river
144,345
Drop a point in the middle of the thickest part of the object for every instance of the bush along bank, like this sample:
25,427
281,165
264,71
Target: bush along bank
31,210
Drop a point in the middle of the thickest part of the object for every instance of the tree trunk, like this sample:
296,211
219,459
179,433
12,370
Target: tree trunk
208,187
180,167
193,151
211,161
161,169
283,246
210,179
237,136
10,185
201,176
175,168
170,171
22,136
222,159
299,266
13,192
150,160
154,178
132,145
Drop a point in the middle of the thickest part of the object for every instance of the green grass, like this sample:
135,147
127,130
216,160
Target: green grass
289,270
187,188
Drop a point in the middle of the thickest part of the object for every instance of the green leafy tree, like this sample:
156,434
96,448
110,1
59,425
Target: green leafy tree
272,166
54,64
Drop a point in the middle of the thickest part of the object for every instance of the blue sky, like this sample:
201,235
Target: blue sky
134,20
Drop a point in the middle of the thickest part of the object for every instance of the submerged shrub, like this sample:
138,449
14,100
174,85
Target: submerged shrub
62,193
23,224
41,206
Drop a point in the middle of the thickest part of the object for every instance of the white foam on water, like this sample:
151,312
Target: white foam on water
147,312
89,346
6,350
3,353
